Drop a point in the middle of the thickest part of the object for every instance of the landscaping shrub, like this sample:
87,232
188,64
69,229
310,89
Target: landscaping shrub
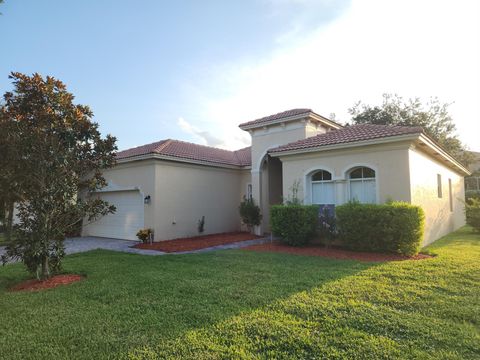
249,213
145,235
327,224
475,194
472,209
395,227
294,224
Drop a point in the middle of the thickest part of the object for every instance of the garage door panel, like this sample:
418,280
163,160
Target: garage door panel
125,222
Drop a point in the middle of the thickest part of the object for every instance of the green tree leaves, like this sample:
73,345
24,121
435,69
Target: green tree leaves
432,116
55,158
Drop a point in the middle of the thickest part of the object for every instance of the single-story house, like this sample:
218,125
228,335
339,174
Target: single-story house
170,185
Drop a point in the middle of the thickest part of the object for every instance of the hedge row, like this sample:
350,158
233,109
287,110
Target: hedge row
394,227
472,208
294,224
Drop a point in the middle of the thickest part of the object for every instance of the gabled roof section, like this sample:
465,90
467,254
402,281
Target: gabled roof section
289,115
349,134
152,148
186,151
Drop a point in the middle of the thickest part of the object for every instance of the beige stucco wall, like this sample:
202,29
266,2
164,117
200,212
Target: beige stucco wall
389,161
245,178
139,174
272,136
266,138
183,193
186,192
423,178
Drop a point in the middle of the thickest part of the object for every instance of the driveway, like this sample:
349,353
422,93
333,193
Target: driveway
87,243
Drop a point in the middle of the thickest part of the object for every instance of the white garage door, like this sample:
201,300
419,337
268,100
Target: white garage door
125,222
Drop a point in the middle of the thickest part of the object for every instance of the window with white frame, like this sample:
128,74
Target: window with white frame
249,191
439,186
362,185
323,188
450,195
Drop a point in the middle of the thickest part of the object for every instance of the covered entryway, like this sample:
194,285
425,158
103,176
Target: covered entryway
125,222
271,188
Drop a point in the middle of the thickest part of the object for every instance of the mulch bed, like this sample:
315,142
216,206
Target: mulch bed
54,281
333,252
197,242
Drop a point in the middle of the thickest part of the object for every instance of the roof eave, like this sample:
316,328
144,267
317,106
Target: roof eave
449,158
180,159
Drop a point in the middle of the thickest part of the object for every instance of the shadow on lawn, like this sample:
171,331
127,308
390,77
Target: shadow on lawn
129,301
349,310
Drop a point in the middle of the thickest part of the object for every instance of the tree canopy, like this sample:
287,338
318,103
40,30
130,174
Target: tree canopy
55,157
433,117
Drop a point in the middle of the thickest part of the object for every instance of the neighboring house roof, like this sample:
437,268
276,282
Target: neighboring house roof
347,135
288,115
188,151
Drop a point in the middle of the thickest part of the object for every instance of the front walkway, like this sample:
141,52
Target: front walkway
87,243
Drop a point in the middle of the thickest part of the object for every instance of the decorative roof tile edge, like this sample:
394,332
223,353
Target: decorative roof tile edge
279,118
155,152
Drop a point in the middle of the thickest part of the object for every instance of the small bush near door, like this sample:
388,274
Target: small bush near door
395,227
145,235
250,213
295,224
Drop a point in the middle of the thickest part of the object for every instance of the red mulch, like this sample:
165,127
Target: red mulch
333,252
197,242
54,281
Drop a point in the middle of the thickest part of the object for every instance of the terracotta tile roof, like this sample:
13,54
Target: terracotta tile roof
244,156
189,151
349,134
281,115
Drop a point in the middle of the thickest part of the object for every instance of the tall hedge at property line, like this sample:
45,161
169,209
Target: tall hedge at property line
395,227
472,208
294,224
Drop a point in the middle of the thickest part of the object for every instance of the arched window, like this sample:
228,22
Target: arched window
362,185
323,188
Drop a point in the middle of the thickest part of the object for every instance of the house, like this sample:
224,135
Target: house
170,185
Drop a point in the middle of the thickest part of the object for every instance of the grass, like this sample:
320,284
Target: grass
247,305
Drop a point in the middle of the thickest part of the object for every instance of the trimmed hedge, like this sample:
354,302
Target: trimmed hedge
472,208
295,224
395,227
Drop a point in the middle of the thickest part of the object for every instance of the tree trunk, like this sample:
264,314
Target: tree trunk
10,206
45,273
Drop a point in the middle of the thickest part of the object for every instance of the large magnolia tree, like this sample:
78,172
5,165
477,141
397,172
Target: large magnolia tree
432,116
54,159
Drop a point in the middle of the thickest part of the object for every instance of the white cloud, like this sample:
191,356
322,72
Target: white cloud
206,138
413,48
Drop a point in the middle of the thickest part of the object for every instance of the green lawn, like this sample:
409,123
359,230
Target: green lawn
242,304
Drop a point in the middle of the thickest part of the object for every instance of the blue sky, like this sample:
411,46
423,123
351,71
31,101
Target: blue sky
193,70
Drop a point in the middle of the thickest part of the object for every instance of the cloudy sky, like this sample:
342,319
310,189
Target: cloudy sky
194,70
